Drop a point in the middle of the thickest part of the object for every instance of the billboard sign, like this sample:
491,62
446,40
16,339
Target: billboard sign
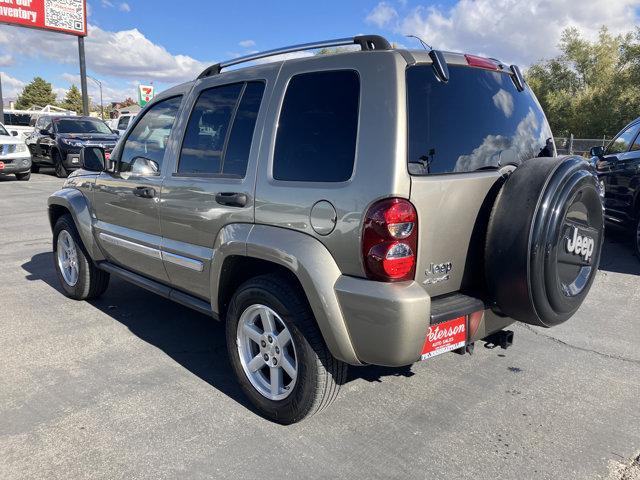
65,16
145,94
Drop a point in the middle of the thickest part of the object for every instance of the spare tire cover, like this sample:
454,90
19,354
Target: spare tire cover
544,240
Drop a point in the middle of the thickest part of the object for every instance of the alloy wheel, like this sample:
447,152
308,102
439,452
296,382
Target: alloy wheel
67,258
267,352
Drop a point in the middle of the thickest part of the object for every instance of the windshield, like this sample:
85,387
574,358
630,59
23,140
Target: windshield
80,125
478,120
3,131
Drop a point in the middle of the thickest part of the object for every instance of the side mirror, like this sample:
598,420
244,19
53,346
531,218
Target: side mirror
597,151
14,133
92,159
44,131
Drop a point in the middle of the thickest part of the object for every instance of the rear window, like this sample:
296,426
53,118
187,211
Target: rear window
316,140
476,121
17,119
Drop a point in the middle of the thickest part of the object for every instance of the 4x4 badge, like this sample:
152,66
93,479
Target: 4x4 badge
580,245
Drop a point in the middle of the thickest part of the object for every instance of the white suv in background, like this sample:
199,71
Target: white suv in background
122,122
18,122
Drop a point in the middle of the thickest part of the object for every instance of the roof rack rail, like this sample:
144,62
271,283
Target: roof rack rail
366,42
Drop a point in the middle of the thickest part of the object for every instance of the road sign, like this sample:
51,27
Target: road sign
145,94
66,16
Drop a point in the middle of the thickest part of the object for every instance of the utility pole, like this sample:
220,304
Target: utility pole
99,85
83,77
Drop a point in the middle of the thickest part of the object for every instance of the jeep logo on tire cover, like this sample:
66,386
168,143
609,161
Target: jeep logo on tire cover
580,245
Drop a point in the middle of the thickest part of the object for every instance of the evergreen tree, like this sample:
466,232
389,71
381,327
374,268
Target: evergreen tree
37,93
72,100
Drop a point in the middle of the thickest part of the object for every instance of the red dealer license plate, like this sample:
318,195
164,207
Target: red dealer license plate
1,165
444,337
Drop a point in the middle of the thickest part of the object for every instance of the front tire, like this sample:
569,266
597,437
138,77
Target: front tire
61,171
35,168
24,176
79,277
277,351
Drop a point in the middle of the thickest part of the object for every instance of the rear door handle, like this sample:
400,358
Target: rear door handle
144,192
231,199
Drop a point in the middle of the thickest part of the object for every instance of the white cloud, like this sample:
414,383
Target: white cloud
284,56
247,43
109,92
504,101
6,60
383,15
11,87
106,3
125,54
124,7
518,31
498,150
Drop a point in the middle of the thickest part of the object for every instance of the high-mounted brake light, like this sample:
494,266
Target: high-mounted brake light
481,62
389,240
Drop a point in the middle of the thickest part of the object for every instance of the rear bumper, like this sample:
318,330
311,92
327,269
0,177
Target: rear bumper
16,165
388,322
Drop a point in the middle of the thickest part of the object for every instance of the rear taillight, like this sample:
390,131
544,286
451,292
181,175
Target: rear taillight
481,62
389,240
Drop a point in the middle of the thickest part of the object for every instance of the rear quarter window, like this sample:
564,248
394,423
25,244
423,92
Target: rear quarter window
476,121
317,129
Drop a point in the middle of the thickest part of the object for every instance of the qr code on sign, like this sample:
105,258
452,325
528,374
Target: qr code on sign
65,14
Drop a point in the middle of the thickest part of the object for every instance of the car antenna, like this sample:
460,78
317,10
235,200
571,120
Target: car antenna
425,45
437,58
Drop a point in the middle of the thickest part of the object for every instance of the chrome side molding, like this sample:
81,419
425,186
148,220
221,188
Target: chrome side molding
174,258
182,261
133,246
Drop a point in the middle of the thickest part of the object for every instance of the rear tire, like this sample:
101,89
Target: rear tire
79,277
318,375
61,172
35,168
24,176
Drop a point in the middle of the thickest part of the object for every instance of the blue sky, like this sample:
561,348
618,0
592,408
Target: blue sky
167,43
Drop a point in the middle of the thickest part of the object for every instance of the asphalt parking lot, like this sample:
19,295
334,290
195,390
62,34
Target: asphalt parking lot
135,386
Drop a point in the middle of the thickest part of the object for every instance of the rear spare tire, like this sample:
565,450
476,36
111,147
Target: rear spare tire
544,240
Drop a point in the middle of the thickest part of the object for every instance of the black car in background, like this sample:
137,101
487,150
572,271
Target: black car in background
618,167
57,141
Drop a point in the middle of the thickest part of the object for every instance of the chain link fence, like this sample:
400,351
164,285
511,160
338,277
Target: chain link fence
578,146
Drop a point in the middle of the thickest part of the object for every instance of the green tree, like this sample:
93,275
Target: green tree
72,100
36,93
590,89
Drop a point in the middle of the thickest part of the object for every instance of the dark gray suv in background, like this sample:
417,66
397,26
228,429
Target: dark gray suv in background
57,140
380,206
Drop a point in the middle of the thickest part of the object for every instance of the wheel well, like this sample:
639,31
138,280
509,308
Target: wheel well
55,212
238,269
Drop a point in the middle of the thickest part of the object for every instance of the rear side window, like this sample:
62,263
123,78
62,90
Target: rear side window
318,126
237,152
476,121
210,146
